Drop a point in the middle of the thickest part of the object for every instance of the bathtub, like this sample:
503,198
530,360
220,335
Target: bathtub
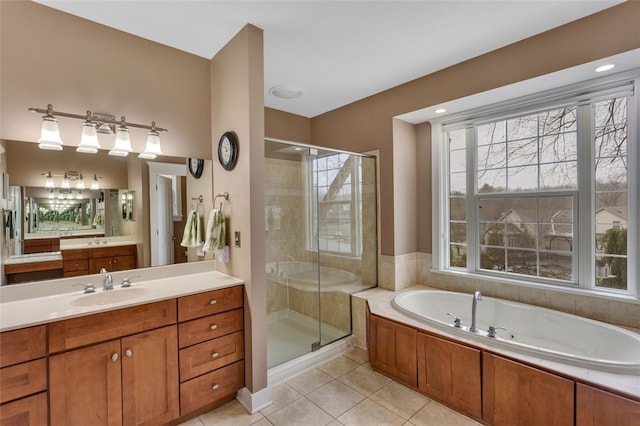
305,274
531,330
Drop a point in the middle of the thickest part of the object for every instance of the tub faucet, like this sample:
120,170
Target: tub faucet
476,297
107,282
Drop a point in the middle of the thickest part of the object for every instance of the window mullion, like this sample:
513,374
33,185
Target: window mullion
585,219
473,249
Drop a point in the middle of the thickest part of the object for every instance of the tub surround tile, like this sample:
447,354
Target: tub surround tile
533,296
369,412
335,398
589,307
559,301
400,399
625,313
358,321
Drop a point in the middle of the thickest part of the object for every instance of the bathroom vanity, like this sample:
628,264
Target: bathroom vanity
494,387
167,351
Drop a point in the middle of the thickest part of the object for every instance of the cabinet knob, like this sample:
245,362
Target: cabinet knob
214,326
114,357
128,353
215,355
215,387
213,302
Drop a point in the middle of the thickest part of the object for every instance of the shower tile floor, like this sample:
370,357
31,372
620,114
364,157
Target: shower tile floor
342,391
290,334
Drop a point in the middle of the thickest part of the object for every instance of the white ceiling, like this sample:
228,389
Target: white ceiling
338,51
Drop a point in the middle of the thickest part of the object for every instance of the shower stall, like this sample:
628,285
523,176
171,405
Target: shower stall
321,244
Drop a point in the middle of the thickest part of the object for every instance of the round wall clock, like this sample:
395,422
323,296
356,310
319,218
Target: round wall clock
228,150
196,165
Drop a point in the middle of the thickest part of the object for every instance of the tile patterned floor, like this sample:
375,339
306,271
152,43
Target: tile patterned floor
343,391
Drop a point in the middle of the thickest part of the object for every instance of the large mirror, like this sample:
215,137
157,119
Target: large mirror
133,216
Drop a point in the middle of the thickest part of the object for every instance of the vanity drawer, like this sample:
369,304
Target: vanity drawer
81,331
210,327
30,411
74,254
75,265
22,345
204,390
211,302
125,250
22,380
207,356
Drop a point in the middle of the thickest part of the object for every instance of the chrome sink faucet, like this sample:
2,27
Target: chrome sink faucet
107,282
476,297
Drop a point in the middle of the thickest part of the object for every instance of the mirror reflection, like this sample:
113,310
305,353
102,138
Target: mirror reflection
57,231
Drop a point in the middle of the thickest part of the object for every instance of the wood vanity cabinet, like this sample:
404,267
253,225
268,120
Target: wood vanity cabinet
211,348
41,245
23,377
113,259
129,379
75,262
450,372
392,350
515,394
596,407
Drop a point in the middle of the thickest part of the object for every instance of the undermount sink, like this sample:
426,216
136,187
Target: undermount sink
102,297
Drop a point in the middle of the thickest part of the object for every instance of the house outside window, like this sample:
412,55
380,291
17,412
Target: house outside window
540,194
336,186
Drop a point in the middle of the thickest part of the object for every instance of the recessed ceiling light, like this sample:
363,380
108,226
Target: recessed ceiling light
440,111
604,68
286,92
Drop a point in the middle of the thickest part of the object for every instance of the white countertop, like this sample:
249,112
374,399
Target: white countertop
35,309
379,301
80,243
35,257
62,233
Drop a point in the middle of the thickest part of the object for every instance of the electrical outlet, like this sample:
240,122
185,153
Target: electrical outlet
236,238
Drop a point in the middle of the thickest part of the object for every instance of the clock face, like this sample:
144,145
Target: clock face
196,166
228,150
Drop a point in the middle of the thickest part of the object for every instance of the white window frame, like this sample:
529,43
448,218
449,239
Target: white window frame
579,93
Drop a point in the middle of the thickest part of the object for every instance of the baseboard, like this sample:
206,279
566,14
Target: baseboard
254,402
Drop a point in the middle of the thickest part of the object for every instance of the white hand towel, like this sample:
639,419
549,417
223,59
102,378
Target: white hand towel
216,231
192,236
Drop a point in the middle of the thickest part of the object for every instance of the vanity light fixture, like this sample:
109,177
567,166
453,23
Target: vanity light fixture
50,132
65,182
89,141
48,180
94,123
80,182
122,147
94,183
51,195
152,149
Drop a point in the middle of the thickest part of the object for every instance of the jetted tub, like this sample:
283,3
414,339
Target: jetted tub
531,330
305,275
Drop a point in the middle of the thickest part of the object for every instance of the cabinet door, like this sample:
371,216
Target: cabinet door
96,264
392,350
514,394
85,386
450,372
597,407
150,377
123,263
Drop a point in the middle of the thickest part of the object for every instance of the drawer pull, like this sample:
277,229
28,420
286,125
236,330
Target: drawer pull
213,302
215,355
214,326
114,357
215,387
128,353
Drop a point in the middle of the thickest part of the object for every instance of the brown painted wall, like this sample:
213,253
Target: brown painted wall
285,126
48,56
237,100
367,124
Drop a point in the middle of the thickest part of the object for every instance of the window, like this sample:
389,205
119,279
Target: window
335,213
542,195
